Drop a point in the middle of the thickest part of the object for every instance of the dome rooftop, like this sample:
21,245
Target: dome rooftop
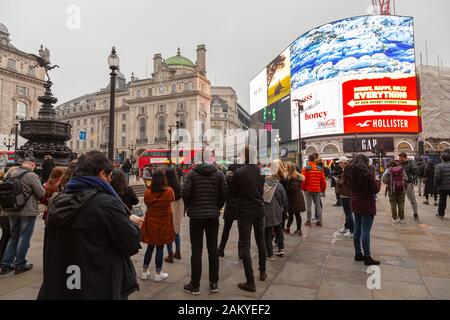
179,60
3,29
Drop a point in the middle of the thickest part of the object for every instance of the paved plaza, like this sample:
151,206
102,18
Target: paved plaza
415,263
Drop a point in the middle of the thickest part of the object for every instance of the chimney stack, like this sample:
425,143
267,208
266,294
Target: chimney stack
157,60
201,59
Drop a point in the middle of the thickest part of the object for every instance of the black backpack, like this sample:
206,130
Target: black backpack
12,196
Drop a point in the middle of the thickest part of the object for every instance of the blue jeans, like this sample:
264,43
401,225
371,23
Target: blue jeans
363,225
177,244
16,251
349,220
158,257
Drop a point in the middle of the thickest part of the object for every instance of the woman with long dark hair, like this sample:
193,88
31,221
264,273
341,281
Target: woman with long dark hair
364,186
178,211
430,188
157,229
126,193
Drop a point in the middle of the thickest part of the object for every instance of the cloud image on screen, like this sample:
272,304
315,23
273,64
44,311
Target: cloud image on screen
367,44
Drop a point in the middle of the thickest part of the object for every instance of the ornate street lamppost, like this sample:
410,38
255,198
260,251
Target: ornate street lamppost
132,147
8,143
300,142
113,61
16,134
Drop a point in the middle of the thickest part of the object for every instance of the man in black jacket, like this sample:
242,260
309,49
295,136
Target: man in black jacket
89,238
247,187
442,183
204,193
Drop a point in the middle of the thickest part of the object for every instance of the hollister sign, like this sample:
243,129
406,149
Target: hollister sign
368,144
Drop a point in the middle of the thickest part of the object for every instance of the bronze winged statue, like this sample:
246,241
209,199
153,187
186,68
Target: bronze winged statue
43,60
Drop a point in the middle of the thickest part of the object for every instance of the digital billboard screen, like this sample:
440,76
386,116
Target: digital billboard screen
355,75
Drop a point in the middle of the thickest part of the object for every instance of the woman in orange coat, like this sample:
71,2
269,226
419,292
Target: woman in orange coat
157,229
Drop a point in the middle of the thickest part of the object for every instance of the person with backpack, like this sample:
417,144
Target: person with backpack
396,180
19,198
313,185
411,172
430,188
91,234
204,193
4,225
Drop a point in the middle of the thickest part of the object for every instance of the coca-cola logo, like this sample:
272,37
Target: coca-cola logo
330,123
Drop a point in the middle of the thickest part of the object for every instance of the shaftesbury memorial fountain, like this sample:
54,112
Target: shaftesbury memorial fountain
46,135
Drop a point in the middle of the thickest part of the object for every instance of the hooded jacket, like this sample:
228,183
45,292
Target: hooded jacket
90,236
204,192
275,202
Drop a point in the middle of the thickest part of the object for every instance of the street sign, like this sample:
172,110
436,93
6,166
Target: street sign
82,135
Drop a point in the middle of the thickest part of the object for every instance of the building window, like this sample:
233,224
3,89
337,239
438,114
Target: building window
181,105
78,122
12,64
124,127
22,91
138,93
123,142
106,134
150,91
174,88
182,121
161,108
142,110
142,129
21,110
161,127
85,121
92,120
124,116
186,86
31,71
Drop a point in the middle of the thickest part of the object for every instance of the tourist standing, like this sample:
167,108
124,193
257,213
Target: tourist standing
178,212
230,213
126,167
52,187
22,220
4,225
204,193
343,187
157,229
420,174
247,187
364,186
275,203
396,180
442,183
411,172
93,237
296,199
125,192
313,185
47,167
336,172
430,188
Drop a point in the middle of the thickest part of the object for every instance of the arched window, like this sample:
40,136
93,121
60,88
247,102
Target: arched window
142,129
330,148
161,127
21,110
404,147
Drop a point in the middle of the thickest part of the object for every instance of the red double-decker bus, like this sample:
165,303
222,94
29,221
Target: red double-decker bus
160,158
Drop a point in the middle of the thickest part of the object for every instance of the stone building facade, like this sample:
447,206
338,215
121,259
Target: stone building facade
20,86
178,90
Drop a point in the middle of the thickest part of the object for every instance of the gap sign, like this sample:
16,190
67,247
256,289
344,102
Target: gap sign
368,144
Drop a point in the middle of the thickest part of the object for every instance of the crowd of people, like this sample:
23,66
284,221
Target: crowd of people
93,221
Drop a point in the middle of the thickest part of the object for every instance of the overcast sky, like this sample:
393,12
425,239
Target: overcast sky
241,36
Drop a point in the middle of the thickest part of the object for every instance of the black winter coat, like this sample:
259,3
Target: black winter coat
429,179
247,187
231,208
47,167
90,232
204,192
129,198
296,199
442,176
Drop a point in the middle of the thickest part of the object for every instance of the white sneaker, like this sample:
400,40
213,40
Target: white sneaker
348,234
343,230
402,221
161,276
145,275
394,220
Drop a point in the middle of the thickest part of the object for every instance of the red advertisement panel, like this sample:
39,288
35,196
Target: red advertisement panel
380,105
